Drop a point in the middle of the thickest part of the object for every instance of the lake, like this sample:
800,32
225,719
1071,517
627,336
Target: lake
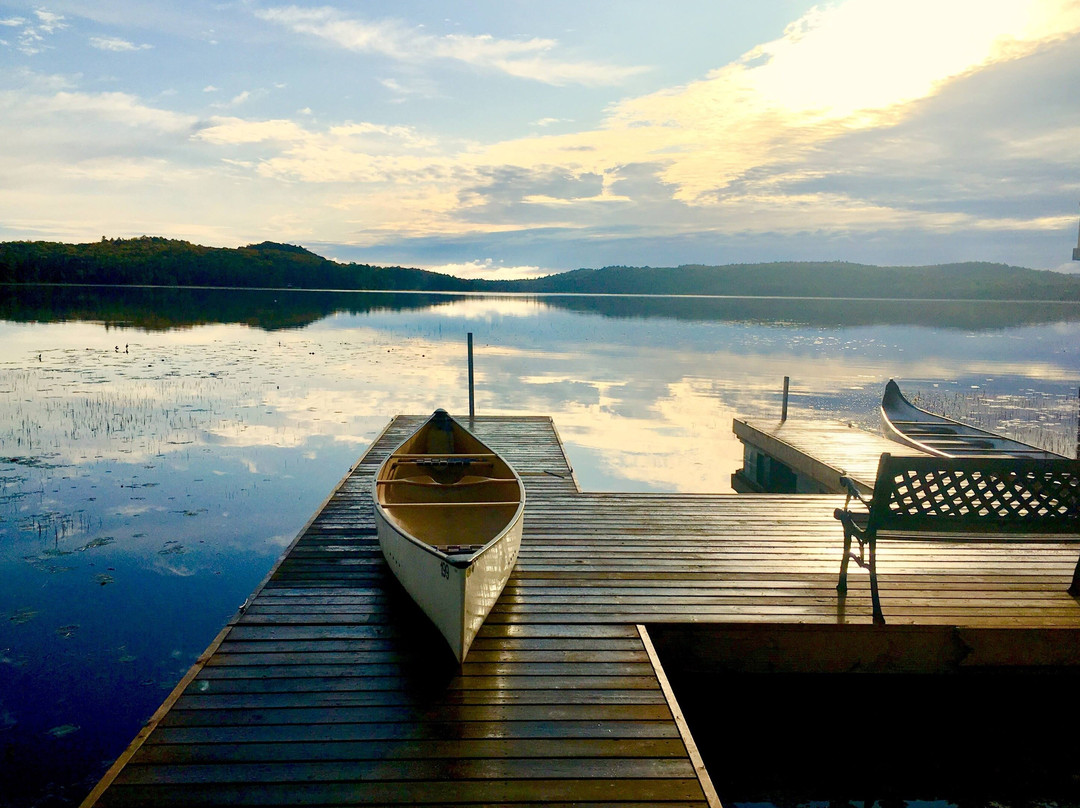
159,448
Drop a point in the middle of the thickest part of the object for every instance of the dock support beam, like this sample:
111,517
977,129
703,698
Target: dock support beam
783,410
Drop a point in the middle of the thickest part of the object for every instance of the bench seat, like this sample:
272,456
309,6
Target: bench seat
985,499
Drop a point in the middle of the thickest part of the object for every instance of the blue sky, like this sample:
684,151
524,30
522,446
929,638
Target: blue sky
505,138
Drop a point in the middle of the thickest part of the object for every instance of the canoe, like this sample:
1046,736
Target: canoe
937,435
448,511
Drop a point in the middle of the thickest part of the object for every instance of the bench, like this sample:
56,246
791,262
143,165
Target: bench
997,499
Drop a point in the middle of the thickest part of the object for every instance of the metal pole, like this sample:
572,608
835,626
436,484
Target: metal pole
472,405
783,411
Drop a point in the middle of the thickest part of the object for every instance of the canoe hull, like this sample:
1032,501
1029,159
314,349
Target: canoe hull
449,523
937,435
456,599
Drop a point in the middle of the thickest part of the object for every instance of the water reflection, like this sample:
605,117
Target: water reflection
159,447
165,308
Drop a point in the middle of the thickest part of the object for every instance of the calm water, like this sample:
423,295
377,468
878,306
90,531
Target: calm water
159,449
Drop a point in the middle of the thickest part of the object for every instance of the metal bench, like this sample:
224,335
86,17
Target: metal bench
994,499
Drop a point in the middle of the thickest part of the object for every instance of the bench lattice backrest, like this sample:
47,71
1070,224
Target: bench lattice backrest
976,494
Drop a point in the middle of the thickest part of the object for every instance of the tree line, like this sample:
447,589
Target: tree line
150,260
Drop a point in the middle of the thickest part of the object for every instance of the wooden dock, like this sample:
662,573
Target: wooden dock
808,457
331,688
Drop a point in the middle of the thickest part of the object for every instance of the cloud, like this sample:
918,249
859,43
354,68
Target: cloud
416,87
993,148
239,99
116,45
223,131
49,22
29,82
32,33
113,107
828,76
521,58
352,152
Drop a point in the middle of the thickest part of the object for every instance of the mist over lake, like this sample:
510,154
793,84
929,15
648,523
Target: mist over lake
160,447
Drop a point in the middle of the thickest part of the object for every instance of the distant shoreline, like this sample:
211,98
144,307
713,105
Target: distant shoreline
496,293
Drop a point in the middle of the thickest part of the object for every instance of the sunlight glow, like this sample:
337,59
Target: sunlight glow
488,270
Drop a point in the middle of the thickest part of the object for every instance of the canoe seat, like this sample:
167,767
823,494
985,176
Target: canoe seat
443,524
458,549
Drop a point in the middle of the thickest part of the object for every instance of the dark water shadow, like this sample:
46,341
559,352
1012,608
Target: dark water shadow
799,714
165,309
966,739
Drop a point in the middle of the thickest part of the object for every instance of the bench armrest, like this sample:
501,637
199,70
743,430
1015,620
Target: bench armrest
852,491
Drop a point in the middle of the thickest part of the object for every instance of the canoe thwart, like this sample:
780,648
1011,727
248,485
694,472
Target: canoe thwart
426,480
392,505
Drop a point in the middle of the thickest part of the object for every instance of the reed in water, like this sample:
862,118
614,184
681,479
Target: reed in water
1046,420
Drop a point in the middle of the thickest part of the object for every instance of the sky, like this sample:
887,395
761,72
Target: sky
500,138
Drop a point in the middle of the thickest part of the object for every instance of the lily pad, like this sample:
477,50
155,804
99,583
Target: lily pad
22,615
99,542
63,730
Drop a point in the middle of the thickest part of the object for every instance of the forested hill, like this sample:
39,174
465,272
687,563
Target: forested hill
824,279
165,262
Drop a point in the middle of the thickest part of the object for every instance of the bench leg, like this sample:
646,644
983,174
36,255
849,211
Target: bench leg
1074,588
841,585
879,616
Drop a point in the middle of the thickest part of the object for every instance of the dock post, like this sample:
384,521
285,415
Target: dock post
1076,252
783,410
472,400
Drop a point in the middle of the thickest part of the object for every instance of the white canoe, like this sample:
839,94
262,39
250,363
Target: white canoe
937,435
449,512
